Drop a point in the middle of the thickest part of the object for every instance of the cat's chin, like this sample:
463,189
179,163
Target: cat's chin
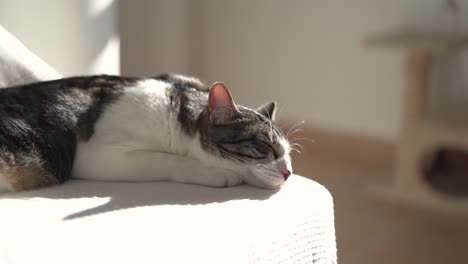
264,181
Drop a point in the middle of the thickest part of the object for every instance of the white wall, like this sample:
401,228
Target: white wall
310,57
73,36
157,36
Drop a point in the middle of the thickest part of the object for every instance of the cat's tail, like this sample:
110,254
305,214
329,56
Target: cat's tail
19,172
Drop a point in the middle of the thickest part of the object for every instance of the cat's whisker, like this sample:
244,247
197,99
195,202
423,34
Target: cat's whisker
264,169
280,112
274,176
294,127
294,145
297,130
306,139
298,148
298,151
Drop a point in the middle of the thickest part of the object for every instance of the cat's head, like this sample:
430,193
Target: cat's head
247,138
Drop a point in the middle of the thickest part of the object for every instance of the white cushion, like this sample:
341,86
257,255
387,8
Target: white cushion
102,222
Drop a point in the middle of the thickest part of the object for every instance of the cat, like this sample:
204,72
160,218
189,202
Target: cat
111,128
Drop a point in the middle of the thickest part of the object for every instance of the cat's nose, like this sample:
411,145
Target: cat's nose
286,173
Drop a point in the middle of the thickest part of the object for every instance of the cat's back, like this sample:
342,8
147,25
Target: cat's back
47,90
69,103
69,91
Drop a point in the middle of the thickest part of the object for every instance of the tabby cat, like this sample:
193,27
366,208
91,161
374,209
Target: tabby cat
111,128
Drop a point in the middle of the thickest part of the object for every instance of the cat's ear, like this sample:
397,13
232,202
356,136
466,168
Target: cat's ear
221,106
268,110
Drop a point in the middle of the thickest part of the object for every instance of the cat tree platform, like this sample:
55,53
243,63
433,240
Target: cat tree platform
423,132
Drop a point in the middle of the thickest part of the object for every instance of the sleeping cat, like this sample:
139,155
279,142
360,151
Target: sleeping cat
110,128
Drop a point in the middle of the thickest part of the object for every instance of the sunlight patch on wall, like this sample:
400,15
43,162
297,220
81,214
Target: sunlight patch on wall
95,7
108,60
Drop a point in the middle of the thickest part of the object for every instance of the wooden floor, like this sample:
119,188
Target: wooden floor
373,230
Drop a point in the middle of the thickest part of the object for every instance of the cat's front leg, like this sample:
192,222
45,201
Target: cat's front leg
114,164
185,170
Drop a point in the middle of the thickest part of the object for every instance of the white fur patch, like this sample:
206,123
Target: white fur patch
287,157
139,120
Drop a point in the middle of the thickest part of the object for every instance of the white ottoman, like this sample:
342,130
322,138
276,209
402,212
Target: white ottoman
158,222
101,222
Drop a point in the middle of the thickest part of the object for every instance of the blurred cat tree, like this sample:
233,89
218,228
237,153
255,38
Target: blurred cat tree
433,145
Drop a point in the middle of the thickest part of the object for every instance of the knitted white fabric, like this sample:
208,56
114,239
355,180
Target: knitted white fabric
100,222
158,222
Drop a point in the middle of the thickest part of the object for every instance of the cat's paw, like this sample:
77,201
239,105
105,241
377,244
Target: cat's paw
209,176
223,178
217,177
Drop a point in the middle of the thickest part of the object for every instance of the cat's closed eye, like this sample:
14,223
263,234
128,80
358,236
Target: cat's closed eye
269,149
